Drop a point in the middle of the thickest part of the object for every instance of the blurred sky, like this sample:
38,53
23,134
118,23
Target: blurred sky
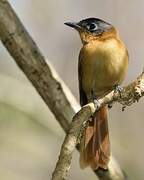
45,19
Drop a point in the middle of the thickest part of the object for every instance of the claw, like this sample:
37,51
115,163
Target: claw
119,89
110,106
96,104
95,100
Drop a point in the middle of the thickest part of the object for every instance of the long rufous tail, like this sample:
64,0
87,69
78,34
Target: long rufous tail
95,145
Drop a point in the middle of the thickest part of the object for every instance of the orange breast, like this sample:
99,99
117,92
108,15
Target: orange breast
104,65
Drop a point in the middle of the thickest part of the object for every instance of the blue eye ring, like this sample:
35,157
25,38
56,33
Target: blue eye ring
92,27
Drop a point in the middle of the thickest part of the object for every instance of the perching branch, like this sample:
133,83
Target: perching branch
70,142
30,60
127,97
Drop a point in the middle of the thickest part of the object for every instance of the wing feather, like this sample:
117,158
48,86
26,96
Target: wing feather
83,97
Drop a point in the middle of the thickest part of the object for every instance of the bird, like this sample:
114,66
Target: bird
102,67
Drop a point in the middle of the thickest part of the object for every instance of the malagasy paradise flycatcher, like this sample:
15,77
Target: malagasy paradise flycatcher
103,62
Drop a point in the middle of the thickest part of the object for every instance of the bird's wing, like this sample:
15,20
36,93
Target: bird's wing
83,97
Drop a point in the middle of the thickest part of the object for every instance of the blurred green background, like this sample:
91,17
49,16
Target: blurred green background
30,137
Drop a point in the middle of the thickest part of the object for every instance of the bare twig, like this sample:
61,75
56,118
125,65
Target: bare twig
127,97
30,60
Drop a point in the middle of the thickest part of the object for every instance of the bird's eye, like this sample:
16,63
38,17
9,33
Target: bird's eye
92,27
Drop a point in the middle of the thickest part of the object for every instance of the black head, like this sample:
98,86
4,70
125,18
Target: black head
91,25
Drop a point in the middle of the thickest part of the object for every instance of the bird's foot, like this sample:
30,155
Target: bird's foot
96,104
110,105
118,89
95,100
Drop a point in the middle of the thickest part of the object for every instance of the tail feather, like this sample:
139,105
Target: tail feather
95,148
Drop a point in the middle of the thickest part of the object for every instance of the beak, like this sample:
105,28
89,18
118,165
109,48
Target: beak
73,25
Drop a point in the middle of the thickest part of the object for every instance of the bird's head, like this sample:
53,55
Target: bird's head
93,29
